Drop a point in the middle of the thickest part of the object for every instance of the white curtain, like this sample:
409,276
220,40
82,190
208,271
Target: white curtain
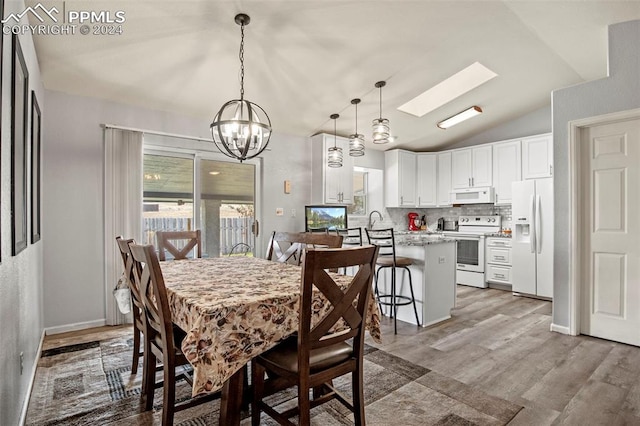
122,206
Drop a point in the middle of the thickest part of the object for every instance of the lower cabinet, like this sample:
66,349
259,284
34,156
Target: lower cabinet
498,260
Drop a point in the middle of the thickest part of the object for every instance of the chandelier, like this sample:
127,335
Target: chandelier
334,154
241,129
356,140
380,125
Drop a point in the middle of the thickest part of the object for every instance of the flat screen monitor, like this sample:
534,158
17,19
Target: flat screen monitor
319,218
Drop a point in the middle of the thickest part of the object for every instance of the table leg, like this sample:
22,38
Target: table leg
231,402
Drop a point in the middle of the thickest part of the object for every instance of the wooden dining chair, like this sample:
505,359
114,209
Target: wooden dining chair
288,247
138,316
317,355
190,240
160,339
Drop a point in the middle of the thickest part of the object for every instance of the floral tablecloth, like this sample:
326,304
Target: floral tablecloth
235,308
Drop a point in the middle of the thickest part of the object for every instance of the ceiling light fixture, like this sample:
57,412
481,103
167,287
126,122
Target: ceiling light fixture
460,117
334,154
380,125
241,129
356,140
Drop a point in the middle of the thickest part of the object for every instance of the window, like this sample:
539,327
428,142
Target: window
359,206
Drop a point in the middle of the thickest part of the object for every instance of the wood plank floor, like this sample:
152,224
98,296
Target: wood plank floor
501,344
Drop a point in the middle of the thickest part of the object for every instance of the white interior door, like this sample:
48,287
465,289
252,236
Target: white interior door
611,231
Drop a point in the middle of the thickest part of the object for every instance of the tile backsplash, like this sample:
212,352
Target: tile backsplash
398,216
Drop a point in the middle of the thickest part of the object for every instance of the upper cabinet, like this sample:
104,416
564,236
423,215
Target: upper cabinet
444,179
427,173
472,167
400,178
330,185
537,157
506,169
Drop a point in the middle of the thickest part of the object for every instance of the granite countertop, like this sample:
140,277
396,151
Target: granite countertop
498,235
423,239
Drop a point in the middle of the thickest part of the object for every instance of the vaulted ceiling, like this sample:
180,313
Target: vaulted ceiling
307,59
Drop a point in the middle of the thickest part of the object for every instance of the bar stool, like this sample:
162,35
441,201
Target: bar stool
387,258
351,237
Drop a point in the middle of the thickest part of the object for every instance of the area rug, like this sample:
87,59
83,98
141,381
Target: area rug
91,384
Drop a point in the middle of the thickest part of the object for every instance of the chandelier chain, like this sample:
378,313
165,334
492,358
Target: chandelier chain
241,56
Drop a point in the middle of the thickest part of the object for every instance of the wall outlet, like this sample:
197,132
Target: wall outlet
442,259
21,362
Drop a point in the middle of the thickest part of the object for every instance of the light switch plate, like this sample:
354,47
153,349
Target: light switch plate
287,187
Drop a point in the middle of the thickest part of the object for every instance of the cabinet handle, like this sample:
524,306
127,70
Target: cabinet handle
499,257
473,183
550,169
469,180
499,276
401,200
496,197
418,200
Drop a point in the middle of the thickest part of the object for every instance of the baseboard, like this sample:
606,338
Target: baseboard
32,379
560,329
74,327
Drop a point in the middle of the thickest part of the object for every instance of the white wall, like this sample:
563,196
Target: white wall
21,275
73,201
620,91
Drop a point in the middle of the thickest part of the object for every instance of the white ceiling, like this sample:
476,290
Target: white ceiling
307,59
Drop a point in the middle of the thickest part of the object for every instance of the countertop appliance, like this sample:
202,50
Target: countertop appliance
414,221
532,211
470,247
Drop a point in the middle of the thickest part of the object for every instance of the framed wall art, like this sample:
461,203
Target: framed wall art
36,162
19,114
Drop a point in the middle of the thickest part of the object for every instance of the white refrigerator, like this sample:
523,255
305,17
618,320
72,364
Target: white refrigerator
532,215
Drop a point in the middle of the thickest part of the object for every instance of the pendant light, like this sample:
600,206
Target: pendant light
380,125
356,140
241,129
334,154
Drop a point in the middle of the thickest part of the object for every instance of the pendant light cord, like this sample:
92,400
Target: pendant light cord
380,102
356,120
335,131
241,56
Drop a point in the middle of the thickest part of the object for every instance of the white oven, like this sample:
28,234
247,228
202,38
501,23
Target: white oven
470,241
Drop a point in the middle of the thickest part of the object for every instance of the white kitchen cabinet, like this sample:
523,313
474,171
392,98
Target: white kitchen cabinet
507,168
537,157
498,260
444,179
427,174
330,185
472,167
400,178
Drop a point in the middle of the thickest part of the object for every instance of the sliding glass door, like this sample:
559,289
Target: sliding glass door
224,208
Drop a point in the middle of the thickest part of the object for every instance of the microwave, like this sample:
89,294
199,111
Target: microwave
477,195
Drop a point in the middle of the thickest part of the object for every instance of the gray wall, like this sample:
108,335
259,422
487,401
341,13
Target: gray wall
73,195
619,92
21,275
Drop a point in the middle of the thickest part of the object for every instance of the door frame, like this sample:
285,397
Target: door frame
576,249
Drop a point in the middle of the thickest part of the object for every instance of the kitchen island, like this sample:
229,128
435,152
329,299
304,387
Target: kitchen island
433,273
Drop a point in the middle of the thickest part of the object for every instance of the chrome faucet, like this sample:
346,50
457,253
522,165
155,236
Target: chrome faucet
372,222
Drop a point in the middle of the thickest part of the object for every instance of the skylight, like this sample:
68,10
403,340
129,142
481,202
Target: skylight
458,84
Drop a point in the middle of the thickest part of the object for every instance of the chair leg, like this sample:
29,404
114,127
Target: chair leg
376,291
136,348
358,396
304,405
413,297
257,381
149,378
169,393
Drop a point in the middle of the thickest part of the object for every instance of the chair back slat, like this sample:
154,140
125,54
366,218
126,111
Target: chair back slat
289,246
167,243
351,236
385,239
127,260
348,305
149,278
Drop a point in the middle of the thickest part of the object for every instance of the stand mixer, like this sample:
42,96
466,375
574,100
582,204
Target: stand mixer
414,221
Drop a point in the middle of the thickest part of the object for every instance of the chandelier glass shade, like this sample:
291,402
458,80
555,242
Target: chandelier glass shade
380,125
356,140
241,129
334,153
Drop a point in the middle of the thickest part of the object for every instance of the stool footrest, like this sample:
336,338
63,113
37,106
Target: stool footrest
405,300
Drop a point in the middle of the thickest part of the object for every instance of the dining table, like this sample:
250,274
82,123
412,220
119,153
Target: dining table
232,310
